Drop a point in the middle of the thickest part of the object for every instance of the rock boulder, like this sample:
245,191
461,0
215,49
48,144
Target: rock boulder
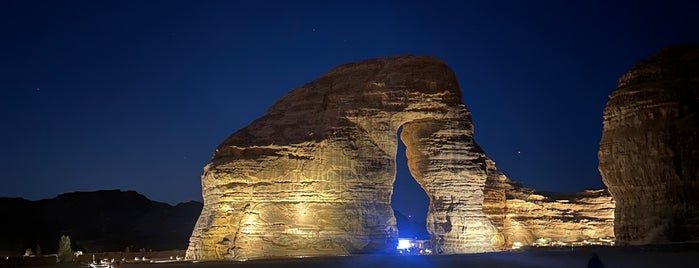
649,152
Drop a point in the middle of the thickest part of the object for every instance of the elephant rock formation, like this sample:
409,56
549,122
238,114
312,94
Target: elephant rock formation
314,175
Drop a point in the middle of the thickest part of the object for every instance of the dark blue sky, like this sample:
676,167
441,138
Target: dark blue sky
137,94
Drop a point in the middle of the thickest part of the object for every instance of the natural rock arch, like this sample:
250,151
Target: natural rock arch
314,175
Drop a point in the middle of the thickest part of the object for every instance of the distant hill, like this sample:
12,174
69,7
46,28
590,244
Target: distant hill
109,220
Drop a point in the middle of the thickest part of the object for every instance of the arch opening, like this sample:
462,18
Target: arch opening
409,200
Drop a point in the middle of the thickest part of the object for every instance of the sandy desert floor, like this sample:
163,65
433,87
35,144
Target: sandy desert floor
664,257
657,256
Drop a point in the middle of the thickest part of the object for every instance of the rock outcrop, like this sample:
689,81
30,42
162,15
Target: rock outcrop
315,174
649,152
524,216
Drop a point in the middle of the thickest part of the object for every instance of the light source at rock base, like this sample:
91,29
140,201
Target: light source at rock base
517,245
403,244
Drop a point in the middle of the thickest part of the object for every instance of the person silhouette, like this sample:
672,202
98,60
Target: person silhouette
595,262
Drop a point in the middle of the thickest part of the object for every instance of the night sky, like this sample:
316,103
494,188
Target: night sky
135,95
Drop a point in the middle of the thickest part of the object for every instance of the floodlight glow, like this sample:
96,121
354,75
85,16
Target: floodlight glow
403,244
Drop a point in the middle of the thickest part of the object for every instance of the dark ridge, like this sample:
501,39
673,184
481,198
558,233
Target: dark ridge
107,220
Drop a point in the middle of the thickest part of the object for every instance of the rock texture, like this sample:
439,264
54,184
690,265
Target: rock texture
314,175
525,216
649,155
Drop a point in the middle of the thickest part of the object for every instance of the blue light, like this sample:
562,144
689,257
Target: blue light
403,244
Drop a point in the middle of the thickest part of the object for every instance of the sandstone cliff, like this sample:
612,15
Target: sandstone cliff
314,175
530,218
649,154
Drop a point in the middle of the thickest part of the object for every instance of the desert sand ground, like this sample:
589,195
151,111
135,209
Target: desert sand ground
663,257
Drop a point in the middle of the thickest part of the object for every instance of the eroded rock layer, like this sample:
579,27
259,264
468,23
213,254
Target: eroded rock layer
530,218
314,175
649,154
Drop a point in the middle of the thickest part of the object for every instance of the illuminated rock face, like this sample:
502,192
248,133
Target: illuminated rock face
521,215
314,175
649,152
